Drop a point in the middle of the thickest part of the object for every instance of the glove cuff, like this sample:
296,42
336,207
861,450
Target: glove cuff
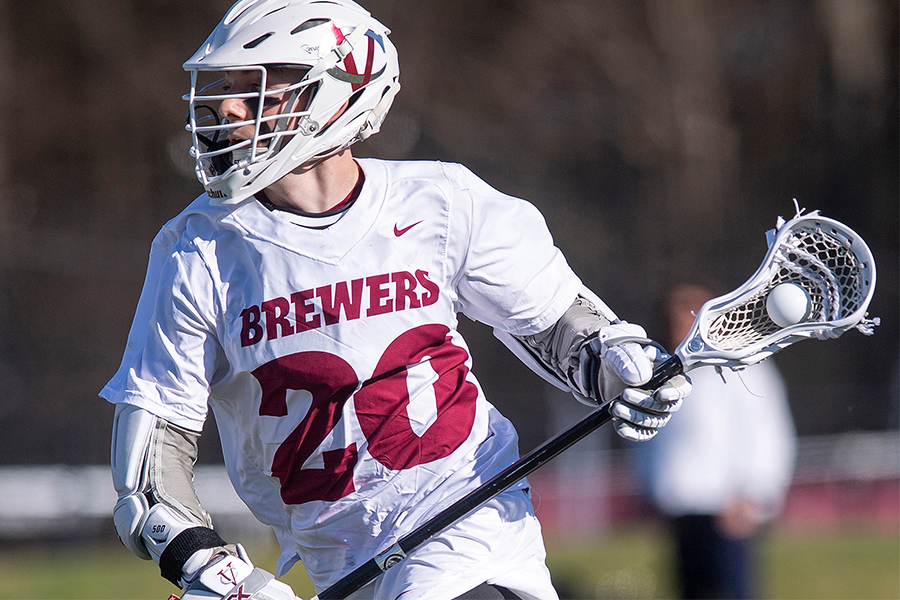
585,378
182,547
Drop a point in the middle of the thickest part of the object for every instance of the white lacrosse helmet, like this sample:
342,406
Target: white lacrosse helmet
348,59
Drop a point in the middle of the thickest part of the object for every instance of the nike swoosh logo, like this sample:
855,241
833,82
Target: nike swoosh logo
399,232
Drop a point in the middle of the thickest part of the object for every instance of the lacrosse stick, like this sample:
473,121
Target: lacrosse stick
832,265
827,259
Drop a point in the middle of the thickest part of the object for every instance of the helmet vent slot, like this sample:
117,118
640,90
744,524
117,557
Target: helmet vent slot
272,12
309,25
354,98
259,40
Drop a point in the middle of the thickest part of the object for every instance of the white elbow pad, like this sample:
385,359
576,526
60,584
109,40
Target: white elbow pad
132,434
129,516
152,469
144,530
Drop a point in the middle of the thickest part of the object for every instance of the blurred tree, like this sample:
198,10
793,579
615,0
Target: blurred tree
660,138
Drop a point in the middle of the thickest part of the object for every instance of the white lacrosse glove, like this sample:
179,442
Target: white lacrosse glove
611,367
229,576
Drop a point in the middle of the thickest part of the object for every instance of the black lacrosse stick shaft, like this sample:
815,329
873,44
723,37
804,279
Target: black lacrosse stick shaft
494,486
474,499
668,369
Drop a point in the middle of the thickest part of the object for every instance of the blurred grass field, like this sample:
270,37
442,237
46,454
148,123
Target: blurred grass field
632,562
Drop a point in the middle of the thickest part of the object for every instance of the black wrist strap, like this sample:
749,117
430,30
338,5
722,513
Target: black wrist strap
180,549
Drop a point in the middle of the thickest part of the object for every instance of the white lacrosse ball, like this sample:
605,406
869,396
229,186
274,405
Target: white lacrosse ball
788,304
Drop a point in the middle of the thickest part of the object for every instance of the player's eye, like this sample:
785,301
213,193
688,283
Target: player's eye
271,101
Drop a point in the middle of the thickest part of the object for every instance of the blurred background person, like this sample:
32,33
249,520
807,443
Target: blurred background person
722,471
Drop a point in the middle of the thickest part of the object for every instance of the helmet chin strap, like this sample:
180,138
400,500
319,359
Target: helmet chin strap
338,53
376,115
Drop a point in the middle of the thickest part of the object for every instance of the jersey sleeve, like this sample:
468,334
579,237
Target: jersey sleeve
172,348
513,277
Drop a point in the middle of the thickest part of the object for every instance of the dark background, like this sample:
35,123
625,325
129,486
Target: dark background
660,138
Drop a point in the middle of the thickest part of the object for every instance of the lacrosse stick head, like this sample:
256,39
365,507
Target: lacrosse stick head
832,264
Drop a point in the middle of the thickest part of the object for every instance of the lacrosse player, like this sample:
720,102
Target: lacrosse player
311,299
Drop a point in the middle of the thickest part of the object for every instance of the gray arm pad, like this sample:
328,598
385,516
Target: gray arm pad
553,353
558,346
152,468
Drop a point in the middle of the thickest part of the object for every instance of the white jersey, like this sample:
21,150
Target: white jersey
341,388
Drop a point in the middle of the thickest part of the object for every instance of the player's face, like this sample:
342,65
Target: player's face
236,110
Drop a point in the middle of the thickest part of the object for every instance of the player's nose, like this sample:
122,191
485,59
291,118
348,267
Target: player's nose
234,110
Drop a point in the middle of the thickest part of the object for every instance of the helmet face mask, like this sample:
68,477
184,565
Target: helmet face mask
280,84
273,115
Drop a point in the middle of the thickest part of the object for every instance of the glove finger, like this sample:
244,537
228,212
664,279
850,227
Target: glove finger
641,418
643,401
629,362
633,433
675,390
656,354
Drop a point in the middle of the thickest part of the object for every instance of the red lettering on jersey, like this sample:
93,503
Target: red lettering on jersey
303,308
381,406
276,317
433,291
341,298
386,424
377,295
251,330
406,285
330,380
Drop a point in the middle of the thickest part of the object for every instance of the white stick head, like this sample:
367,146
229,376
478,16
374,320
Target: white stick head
816,281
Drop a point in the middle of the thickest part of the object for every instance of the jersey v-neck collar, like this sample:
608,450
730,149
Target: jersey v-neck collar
329,244
316,220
